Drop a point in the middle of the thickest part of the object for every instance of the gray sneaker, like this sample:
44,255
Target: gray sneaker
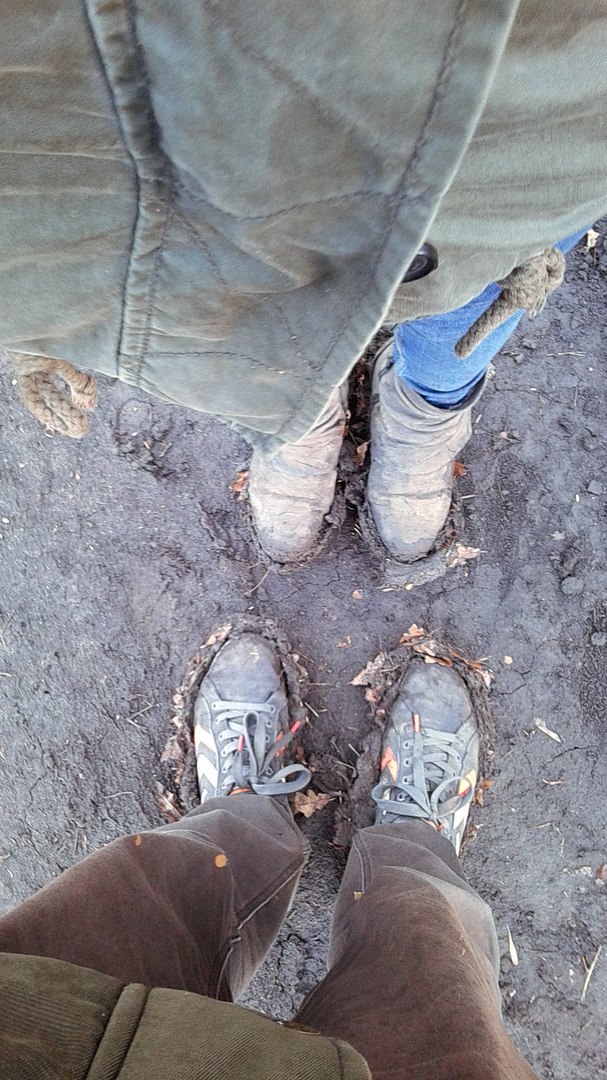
242,728
430,753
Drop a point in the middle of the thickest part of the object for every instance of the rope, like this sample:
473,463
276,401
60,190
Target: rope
41,393
527,286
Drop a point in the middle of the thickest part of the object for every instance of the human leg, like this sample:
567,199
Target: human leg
292,491
421,418
194,905
414,962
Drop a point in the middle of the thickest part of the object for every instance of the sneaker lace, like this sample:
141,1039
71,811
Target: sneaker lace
250,749
433,791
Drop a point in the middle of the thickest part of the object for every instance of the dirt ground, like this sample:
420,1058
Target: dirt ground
122,552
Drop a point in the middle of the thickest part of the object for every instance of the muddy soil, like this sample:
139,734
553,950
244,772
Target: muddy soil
120,554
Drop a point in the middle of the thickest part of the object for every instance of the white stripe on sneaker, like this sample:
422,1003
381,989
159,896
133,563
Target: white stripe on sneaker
202,735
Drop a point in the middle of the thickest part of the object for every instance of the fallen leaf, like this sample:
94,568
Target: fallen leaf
459,469
357,594
345,644
238,486
308,802
360,453
462,554
369,673
591,238
506,660
172,753
512,948
442,661
428,648
479,792
174,756
166,803
218,635
357,895
411,634
541,726
372,695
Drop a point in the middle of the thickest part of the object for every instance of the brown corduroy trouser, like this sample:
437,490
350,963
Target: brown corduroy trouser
412,980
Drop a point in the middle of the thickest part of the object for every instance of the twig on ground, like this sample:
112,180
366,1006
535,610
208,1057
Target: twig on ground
589,971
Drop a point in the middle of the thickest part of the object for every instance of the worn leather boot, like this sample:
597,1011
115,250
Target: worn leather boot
292,491
413,448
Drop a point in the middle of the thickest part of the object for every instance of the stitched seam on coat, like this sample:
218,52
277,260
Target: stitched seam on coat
327,200
197,239
420,144
397,198
131,12
153,289
275,304
135,165
222,21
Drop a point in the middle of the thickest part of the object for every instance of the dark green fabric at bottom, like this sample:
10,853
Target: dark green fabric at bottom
62,1022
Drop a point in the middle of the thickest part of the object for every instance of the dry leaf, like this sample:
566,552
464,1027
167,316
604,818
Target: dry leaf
512,948
172,753
369,673
442,661
459,469
173,756
166,803
506,660
357,594
411,634
308,802
427,649
541,726
479,792
372,695
345,644
360,453
218,635
591,238
462,554
238,486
